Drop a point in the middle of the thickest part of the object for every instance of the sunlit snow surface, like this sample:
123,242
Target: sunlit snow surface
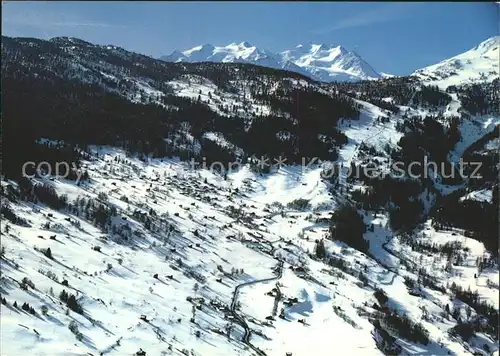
114,299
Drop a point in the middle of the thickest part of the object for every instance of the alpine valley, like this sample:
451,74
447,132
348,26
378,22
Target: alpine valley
142,249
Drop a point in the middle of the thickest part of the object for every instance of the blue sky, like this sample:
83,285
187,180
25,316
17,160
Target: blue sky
393,37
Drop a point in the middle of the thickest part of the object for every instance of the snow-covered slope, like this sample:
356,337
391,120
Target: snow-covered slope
320,62
480,63
202,276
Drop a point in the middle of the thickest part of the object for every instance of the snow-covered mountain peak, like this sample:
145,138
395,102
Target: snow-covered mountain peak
477,64
70,41
245,44
199,50
491,44
319,61
313,49
234,52
340,48
325,47
329,63
177,53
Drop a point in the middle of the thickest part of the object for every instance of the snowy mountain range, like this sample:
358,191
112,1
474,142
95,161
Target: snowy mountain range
328,63
321,62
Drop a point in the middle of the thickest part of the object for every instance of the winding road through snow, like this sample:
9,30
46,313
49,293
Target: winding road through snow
240,318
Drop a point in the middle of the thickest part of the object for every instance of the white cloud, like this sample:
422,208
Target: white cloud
36,15
387,12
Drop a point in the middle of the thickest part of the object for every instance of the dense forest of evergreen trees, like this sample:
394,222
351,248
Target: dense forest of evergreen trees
479,219
481,307
429,138
347,225
478,99
399,89
429,96
484,151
